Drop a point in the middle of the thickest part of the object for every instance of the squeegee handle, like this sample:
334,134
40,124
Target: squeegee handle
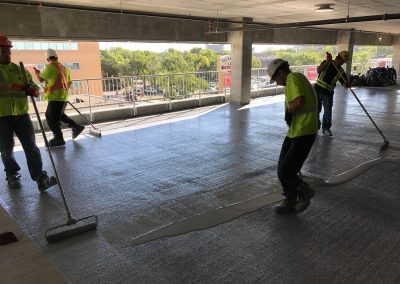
362,106
27,85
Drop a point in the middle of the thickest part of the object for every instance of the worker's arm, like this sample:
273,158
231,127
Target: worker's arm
323,66
295,104
37,73
325,63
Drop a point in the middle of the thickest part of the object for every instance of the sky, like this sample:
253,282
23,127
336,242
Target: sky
160,47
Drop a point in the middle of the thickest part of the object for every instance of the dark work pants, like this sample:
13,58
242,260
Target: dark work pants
291,159
325,100
55,115
22,126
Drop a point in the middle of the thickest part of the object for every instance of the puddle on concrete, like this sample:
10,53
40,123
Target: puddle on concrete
208,219
226,213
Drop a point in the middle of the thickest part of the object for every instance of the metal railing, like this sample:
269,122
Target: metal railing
114,92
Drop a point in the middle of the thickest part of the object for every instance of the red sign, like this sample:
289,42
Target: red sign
311,73
227,79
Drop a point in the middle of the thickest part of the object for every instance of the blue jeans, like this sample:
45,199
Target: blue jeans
55,115
22,126
293,154
325,100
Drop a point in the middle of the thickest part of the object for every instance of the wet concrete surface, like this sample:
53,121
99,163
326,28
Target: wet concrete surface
149,173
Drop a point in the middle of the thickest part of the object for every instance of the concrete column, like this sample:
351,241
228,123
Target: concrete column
241,53
345,41
396,54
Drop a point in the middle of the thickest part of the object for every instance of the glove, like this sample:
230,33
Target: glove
328,57
33,92
288,118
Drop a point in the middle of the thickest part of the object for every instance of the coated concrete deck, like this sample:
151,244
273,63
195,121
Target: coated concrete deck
157,176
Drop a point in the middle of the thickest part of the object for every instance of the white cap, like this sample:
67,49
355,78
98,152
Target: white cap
273,66
51,53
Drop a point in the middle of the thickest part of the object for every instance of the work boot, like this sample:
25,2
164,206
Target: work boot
287,206
305,194
77,130
327,132
45,182
56,142
14,181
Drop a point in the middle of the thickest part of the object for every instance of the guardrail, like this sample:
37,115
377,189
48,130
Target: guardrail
113,92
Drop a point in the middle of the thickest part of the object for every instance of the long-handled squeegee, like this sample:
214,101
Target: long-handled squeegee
72,226
94,131
385,142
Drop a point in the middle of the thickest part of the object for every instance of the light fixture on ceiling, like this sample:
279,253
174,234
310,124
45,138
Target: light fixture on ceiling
324,8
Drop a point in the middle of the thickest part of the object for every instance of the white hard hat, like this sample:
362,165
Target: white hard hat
273,66
51,53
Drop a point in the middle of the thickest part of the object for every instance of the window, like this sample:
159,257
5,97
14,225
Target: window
18,45
44,45
37,45
67,46
72,66
28,45
52,45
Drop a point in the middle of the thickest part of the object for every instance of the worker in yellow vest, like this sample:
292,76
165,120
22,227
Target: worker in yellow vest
14,118
57,80
328,76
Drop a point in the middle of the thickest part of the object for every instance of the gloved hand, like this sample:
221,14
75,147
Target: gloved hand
328,57
33,92
347,85
288,117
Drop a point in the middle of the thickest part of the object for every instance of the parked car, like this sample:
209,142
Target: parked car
151,91
213,91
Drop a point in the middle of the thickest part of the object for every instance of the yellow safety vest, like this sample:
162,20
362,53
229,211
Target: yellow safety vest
329,86
13,100
57,80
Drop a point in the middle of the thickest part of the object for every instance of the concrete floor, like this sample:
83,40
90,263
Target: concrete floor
148,174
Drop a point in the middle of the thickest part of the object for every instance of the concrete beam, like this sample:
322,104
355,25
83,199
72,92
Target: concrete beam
33,21
65,23
293,36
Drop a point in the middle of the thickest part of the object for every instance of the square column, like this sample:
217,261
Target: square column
241,53
345,41
396,54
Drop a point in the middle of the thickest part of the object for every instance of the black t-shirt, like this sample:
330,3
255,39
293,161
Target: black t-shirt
330,73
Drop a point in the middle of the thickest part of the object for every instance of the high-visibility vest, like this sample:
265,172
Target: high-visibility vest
56,83
331,85
13,100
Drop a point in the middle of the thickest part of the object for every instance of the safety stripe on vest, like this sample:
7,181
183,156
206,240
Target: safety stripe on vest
60,83
330,86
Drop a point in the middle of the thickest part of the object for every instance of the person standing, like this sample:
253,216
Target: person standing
328,75
57,80
14,118
301,117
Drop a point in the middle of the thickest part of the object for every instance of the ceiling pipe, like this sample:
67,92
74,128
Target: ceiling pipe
250,27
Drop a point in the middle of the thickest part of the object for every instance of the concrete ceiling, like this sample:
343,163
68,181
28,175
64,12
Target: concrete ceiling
265,11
